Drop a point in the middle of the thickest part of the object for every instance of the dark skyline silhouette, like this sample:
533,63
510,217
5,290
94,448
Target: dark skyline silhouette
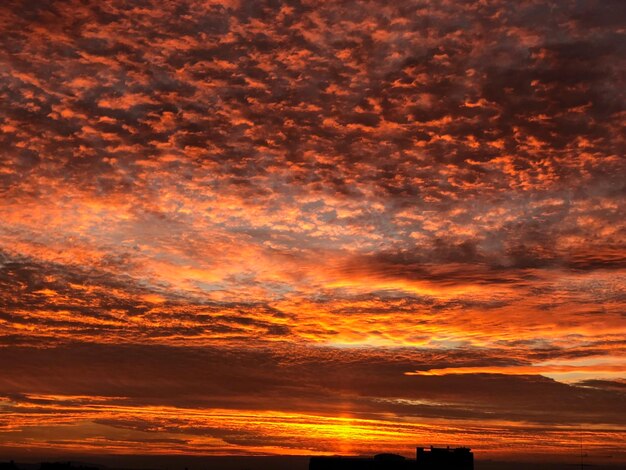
169,462
434,458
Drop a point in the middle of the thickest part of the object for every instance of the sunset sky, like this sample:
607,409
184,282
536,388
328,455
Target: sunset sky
310,227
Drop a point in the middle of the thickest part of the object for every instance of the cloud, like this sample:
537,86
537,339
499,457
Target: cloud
287,206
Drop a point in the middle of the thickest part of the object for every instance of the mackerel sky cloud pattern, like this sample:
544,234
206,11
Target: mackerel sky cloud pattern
312,227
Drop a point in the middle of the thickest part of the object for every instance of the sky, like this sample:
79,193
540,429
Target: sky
313,227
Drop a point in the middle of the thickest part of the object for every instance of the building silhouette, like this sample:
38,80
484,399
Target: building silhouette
64,466
436,458
433,458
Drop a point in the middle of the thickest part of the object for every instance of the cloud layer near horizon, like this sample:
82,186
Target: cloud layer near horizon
293,227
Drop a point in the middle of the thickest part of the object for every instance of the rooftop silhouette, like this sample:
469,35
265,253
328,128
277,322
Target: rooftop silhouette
433,458
64,466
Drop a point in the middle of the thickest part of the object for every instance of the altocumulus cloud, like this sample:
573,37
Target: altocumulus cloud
295,227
